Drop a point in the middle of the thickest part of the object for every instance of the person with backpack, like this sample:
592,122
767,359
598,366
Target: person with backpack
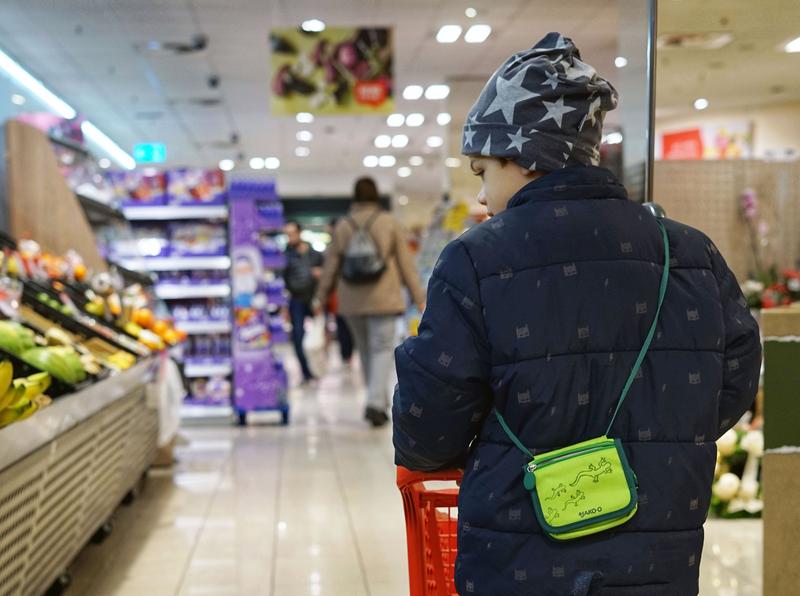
370,260
302,270
578,358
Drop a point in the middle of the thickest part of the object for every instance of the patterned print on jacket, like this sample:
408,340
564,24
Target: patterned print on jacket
541,311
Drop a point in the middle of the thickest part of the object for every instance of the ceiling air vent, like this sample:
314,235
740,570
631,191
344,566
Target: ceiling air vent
198,43
695,41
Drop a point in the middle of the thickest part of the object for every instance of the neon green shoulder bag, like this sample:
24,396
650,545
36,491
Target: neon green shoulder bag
588,487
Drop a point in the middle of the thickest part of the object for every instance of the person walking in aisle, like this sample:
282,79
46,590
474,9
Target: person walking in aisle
303,267
343,335
370,259
572,315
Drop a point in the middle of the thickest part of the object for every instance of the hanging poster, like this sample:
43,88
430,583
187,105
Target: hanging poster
341,70
726,140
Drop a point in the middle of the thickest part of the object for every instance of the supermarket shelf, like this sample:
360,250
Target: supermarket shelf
201,327
220,369
177,264
194,411
177,292
99,213
77,147
170,212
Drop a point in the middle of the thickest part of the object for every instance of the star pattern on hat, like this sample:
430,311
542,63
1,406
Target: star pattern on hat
556,110
552,79
487,147
517,140
509,93
594,108
576,69
469,134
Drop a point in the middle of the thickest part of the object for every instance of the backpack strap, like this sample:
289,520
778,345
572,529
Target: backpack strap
639,360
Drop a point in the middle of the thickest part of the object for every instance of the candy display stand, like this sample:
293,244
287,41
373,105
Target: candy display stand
259,379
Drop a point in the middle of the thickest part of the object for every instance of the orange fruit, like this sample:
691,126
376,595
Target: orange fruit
160,327
144,317
80,272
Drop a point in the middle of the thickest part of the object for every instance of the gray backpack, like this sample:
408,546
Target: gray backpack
362,262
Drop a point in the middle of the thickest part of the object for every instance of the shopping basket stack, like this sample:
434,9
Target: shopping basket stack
430,501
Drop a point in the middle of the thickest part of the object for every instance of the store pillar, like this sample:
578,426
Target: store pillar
781,471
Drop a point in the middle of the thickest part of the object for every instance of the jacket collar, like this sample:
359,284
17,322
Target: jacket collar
576,182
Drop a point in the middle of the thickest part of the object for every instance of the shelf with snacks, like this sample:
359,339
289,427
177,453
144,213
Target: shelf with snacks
178,232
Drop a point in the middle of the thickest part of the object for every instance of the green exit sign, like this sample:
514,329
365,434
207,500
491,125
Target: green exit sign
150,152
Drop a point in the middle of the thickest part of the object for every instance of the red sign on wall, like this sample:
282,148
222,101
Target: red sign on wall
685,144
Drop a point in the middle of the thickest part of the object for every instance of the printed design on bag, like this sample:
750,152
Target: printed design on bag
558,492
551,514
595,471
574,499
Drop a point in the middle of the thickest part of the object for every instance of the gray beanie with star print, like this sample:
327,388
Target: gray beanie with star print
543,109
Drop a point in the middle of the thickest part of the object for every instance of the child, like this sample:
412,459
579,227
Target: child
540,312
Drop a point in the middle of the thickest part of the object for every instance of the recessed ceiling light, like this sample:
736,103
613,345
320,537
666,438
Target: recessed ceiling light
434,141
386,161
437,92
302,151
305,118
700,103
18,100
105,163
412,92
477,33
612,138
415,119
793,46
402,200
399,141
620,62
304,136
452,162
395,120
257,163
471,13
370,161
272,163
383,141
404,172
416,160
449,34
443,119
313,26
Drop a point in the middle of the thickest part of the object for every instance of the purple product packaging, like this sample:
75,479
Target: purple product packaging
135,188
198,239
258,385
195,186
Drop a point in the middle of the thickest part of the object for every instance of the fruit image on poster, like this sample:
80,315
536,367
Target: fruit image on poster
341,70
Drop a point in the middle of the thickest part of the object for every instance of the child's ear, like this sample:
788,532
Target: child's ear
525,172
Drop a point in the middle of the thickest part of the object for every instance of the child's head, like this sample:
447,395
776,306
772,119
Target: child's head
541,111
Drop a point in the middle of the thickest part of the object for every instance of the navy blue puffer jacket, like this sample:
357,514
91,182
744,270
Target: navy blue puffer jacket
541,312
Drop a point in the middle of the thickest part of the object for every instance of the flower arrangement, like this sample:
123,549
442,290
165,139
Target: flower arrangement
736,492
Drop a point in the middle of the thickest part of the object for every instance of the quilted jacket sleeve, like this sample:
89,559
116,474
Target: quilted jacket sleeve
742,360
443,390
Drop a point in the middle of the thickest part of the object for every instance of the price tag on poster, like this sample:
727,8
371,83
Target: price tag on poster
338,71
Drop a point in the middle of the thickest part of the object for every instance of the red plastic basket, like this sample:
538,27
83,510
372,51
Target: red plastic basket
430,502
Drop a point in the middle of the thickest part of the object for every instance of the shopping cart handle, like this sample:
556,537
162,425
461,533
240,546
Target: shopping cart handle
406,477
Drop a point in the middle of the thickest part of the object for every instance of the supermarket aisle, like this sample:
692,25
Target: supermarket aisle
307,510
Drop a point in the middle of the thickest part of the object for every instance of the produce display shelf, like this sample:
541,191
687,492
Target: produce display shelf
23,438
204,327
65,470
170,212
177,263
182,292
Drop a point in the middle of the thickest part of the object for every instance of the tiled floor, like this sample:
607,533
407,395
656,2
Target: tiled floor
309,509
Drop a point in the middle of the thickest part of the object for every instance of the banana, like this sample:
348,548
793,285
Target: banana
27,411
43,378
14,398
6,376
11,395
8,416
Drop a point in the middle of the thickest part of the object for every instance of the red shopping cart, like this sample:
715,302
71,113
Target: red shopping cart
430,502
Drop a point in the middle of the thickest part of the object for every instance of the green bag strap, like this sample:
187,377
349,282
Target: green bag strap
639,360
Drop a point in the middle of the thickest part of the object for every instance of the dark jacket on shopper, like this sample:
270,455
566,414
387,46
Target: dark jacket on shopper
298,274
541,311
384,296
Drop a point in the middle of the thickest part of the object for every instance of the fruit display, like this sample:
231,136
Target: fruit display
23,397
16,339
63,362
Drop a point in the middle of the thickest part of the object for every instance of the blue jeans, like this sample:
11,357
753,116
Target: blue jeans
298,311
